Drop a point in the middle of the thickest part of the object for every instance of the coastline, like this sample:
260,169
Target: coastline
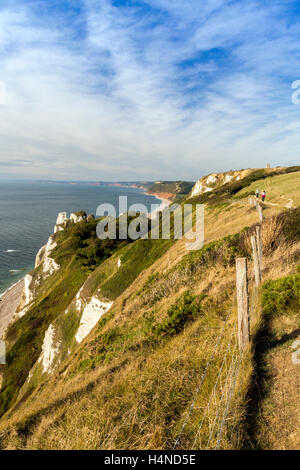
11,297
163,204
9,302
11,287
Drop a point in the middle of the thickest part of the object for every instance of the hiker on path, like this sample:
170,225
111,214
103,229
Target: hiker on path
263,195
257,193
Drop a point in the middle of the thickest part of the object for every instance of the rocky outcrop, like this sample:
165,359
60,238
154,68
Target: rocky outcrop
27,291
78,217
39,257
92,313
44,257
214,180
27,297
49,351
61,221
75,217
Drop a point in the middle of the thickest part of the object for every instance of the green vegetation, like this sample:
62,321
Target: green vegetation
174,187
281,295
90,250
140,255
222,251
186,309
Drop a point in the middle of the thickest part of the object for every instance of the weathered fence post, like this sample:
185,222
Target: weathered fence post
259,244
260,212
255,254
2,353
242,302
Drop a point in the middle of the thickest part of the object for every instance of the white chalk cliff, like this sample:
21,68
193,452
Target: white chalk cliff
61,221
92,313
76,218
214,180
49,350
44,254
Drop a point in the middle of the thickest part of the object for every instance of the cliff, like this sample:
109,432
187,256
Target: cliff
215,180
112,337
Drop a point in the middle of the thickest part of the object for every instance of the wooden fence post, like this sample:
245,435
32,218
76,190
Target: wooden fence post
259,244
2,353
255,255
242,302
260,212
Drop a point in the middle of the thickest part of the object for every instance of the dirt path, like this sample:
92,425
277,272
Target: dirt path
8,305
282,412
277,422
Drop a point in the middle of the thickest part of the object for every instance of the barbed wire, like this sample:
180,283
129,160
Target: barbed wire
226,410
213,392
230,381
229,376
203,376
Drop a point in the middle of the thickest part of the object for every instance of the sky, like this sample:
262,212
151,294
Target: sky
147,89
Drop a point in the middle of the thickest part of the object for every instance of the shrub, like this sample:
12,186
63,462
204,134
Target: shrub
281,295
184,310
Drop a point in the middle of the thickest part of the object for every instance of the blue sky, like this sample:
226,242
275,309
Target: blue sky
152,89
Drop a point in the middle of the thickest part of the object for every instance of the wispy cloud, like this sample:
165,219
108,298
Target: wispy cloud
146,89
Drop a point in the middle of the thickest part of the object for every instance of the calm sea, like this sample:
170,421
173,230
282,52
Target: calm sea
28,212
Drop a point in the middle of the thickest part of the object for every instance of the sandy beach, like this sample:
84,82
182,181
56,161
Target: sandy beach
9,302
164,202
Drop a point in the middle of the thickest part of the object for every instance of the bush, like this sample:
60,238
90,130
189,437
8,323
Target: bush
281,295
185,309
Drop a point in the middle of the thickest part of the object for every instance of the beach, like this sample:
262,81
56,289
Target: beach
165,201
9,302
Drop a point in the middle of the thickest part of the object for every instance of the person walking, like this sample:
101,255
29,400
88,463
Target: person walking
263,196
257,193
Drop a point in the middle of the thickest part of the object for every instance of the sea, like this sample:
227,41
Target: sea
28,212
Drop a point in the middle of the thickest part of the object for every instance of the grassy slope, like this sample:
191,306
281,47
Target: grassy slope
174,187
129,385
280,189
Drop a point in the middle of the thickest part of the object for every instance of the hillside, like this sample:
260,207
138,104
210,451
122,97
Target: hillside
131,344
170,189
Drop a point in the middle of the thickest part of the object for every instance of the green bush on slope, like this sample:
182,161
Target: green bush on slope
186,309
281,295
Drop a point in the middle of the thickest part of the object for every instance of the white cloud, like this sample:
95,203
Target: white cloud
115,103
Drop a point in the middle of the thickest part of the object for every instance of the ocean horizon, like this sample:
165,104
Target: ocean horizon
28,212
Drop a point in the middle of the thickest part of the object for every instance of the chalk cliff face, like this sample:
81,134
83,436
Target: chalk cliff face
214,180
61,221
76,218
86,308
44,259
92,313
44,254
49,350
